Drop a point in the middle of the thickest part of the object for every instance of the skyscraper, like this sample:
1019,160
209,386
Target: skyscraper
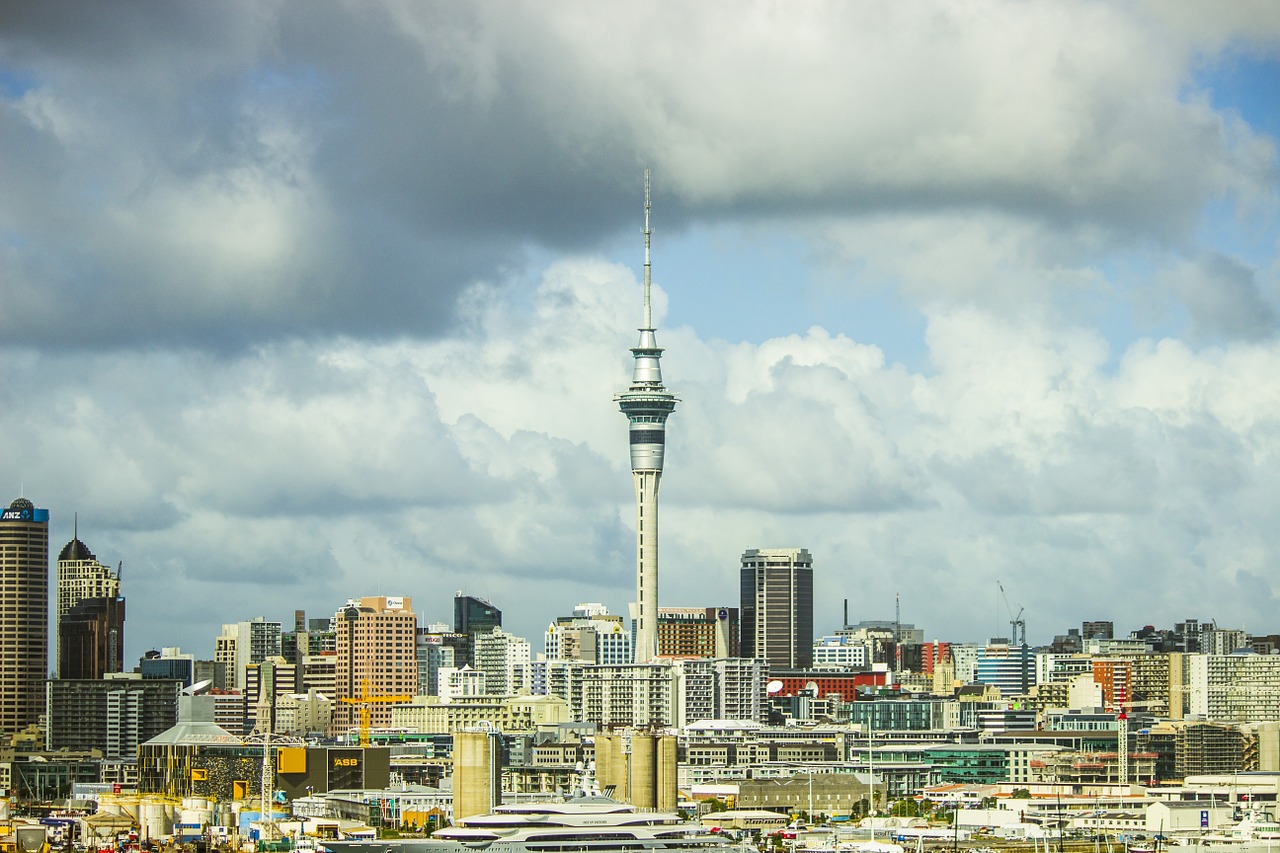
472,616
647,404
243,643
376,650
90,615
24,614
777,606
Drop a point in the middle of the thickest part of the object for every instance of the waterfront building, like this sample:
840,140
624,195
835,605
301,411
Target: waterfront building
376,651
90,615
700,632
777,606
647,404
24,614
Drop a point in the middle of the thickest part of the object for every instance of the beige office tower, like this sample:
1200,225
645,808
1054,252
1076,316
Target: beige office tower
24,614
376,649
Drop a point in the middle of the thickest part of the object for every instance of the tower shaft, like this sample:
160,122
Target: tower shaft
646,614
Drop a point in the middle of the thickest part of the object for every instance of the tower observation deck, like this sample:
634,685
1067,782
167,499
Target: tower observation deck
646,403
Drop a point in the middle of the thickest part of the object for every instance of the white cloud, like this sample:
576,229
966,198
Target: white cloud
302,474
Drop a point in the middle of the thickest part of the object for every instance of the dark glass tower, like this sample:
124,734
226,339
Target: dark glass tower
472,616
777,607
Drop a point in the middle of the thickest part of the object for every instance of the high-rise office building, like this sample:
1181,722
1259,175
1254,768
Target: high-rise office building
504,660
169,662
472,616
591,635
647,404
376,649
24,614
90,615
113,715
243,643
698,632
777,607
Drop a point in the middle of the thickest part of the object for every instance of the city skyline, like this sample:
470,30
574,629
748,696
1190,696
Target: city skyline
300,305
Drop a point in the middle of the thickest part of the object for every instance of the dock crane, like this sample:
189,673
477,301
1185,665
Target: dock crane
1018,634
365,700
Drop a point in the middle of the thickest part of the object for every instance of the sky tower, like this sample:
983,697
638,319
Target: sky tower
647,403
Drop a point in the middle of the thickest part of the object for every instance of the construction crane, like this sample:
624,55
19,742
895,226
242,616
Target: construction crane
1018,638
365,700
1122,736
1017,625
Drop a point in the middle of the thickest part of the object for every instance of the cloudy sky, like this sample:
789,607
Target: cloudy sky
307,301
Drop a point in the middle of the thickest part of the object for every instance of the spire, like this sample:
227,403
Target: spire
648,232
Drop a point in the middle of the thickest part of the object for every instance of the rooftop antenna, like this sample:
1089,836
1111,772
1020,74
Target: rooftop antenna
648,232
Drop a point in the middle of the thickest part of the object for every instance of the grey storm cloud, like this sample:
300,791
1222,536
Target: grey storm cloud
187,176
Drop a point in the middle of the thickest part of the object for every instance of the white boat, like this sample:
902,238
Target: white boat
1251,835
590,823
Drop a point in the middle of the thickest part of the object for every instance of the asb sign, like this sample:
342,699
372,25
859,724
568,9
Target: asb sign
346,769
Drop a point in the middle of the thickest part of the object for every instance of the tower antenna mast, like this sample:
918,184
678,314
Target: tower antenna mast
648,281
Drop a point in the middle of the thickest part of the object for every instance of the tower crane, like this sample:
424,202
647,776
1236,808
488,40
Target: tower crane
365,700
1018,638
1017,625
